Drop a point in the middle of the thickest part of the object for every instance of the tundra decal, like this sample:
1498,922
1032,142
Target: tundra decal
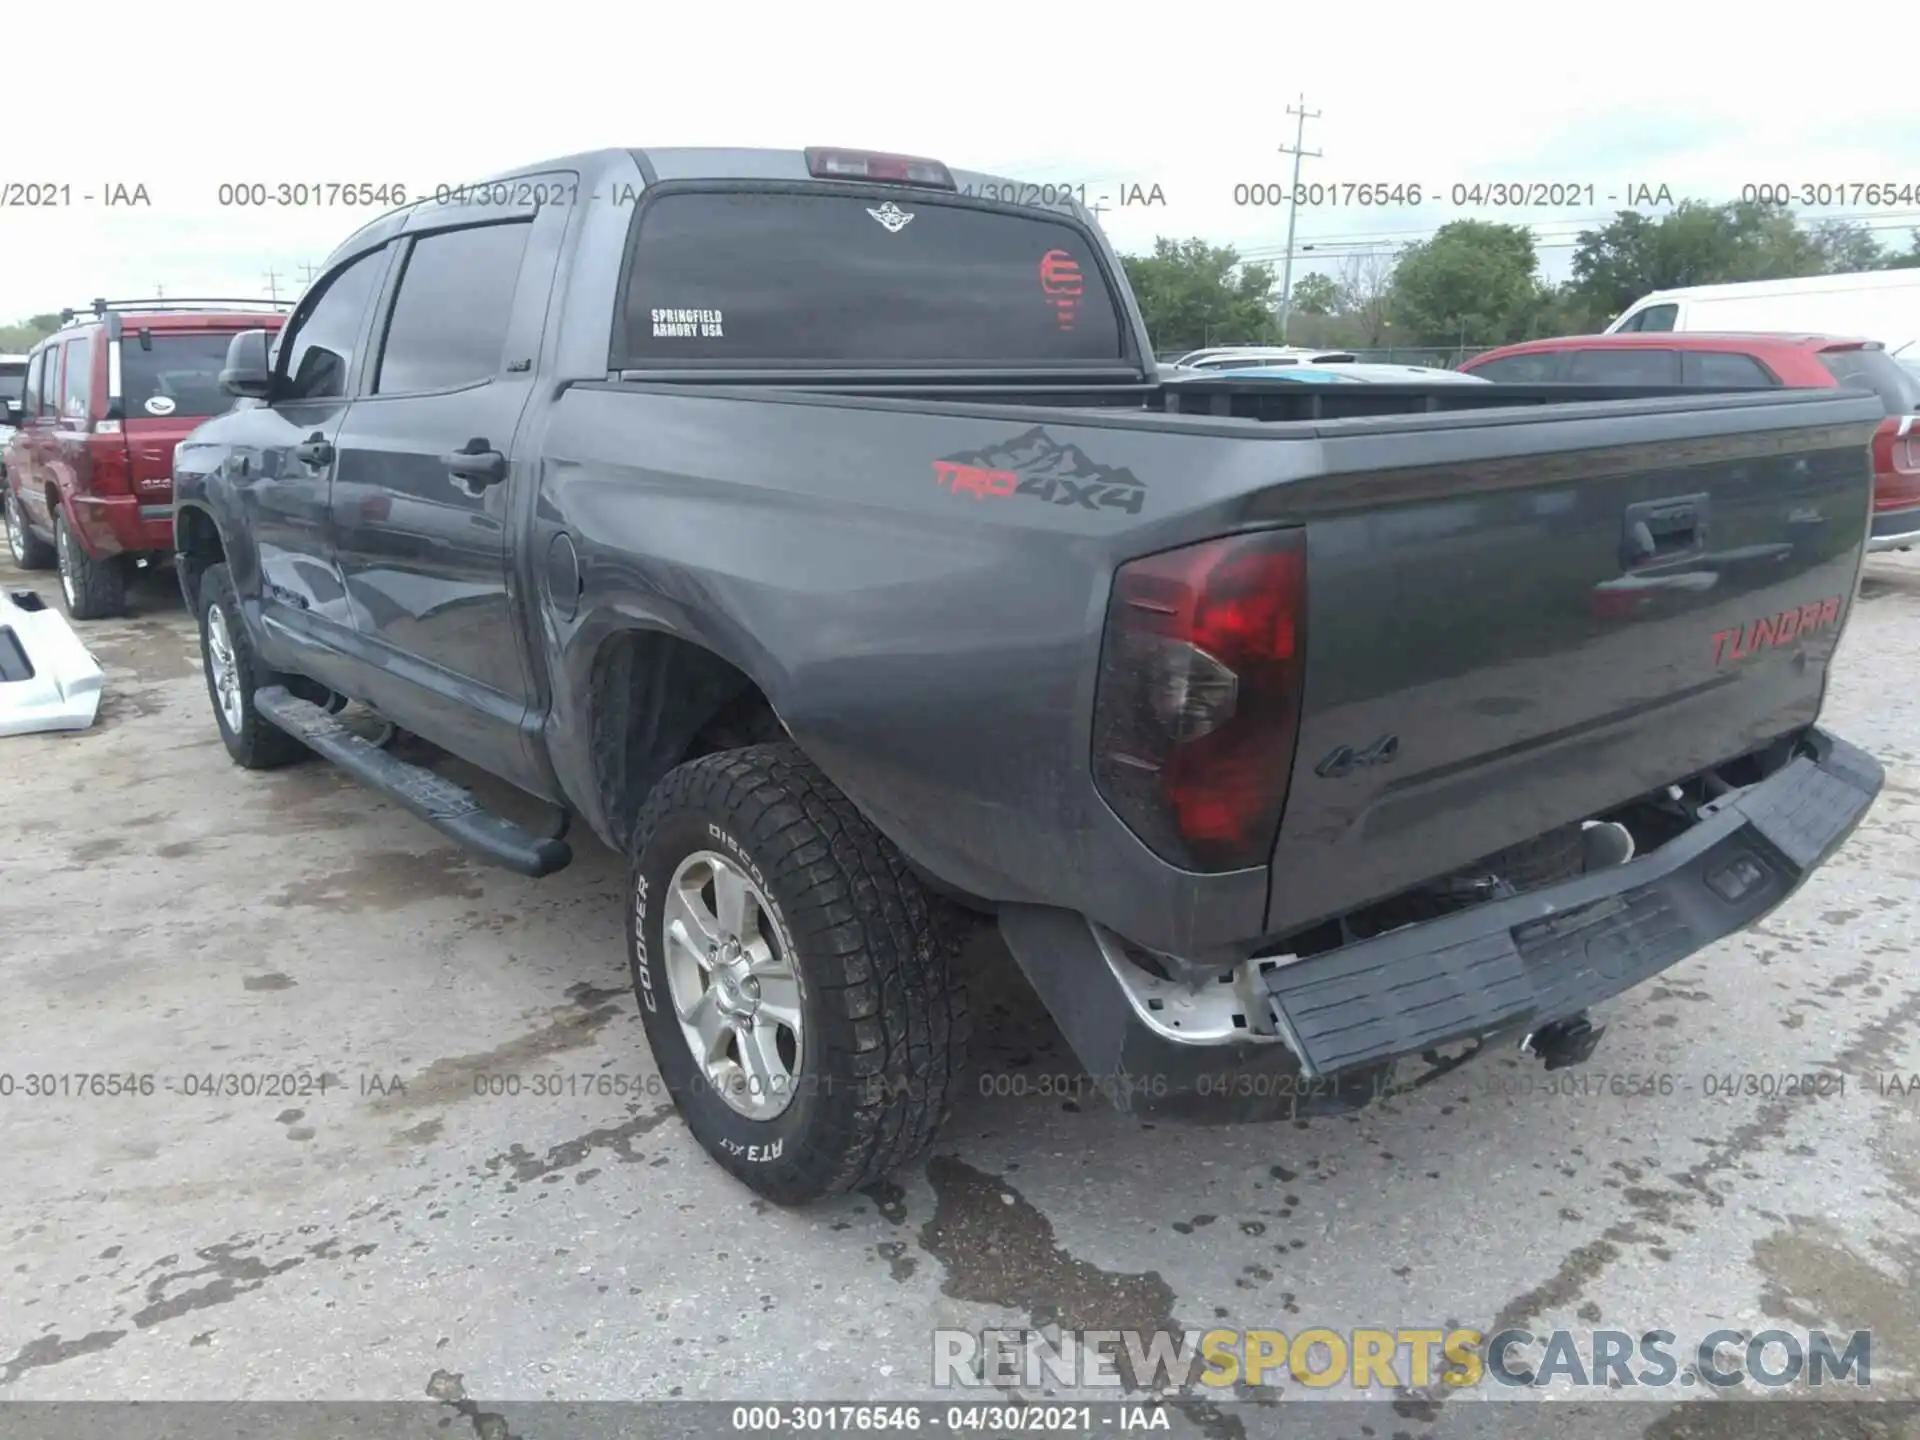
1036,465
1772,630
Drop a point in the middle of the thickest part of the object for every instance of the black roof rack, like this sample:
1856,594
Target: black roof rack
102,306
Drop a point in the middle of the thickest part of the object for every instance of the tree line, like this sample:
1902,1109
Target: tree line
18,339
1477,283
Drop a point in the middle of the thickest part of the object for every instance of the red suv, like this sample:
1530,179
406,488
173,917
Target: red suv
89,470
1732,362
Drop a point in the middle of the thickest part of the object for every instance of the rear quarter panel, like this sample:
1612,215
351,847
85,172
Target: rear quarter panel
933,651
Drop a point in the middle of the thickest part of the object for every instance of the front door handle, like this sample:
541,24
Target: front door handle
477,464
314,451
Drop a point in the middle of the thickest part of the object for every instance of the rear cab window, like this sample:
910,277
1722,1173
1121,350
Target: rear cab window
1875,370
822,278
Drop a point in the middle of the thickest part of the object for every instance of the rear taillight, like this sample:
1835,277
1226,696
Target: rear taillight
1198,705
1904,455
868,165
109,471
1896,465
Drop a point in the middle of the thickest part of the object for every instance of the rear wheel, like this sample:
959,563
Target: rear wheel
801,1001
94,589
233,674
30,552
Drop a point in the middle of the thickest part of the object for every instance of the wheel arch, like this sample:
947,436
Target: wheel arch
198,545
656,700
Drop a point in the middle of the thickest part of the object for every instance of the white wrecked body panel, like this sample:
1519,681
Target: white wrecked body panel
48,679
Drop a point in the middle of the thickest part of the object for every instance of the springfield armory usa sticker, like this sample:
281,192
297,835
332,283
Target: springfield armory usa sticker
1039,467
687,325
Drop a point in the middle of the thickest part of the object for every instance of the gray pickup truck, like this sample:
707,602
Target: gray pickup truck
816,528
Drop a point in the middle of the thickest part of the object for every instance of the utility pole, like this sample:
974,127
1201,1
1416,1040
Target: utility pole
1293,202
307,271
273,284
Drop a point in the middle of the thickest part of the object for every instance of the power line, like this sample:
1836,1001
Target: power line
1293,202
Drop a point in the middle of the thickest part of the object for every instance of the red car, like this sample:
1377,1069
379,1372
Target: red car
89,470
1726,362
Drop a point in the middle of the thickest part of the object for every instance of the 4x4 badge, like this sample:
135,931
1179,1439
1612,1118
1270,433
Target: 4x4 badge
892,216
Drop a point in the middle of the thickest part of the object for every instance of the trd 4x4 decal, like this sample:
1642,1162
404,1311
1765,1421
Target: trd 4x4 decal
1038,466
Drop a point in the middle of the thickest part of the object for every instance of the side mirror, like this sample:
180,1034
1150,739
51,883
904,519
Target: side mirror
248,373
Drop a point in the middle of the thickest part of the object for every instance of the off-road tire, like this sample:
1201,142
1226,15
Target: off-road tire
257,744
883,1005
29,551
94,589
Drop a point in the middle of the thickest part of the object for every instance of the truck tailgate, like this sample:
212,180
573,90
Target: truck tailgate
1523,634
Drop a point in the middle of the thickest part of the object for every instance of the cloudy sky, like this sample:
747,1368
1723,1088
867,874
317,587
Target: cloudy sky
1702,100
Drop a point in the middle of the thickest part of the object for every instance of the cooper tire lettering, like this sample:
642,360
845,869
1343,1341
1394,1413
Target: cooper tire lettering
870,1082
642,970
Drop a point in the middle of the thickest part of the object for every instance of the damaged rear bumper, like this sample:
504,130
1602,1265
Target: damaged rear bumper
1345,1017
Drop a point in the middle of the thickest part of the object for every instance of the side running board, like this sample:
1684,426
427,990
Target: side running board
449,808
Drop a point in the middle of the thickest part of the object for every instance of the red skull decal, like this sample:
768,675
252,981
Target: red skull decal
1060,277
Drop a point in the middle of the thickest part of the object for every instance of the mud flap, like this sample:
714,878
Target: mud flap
48,679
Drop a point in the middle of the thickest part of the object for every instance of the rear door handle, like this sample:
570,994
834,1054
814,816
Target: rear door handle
314,451
476,464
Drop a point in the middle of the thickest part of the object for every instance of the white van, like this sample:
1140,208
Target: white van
1881,305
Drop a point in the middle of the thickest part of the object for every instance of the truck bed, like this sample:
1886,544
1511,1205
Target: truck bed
934,639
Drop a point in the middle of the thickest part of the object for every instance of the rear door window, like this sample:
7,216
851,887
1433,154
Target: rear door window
1874,370
50,383
449,323
30,393
1622,367
1708,368
1540,368
76,395
780,278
